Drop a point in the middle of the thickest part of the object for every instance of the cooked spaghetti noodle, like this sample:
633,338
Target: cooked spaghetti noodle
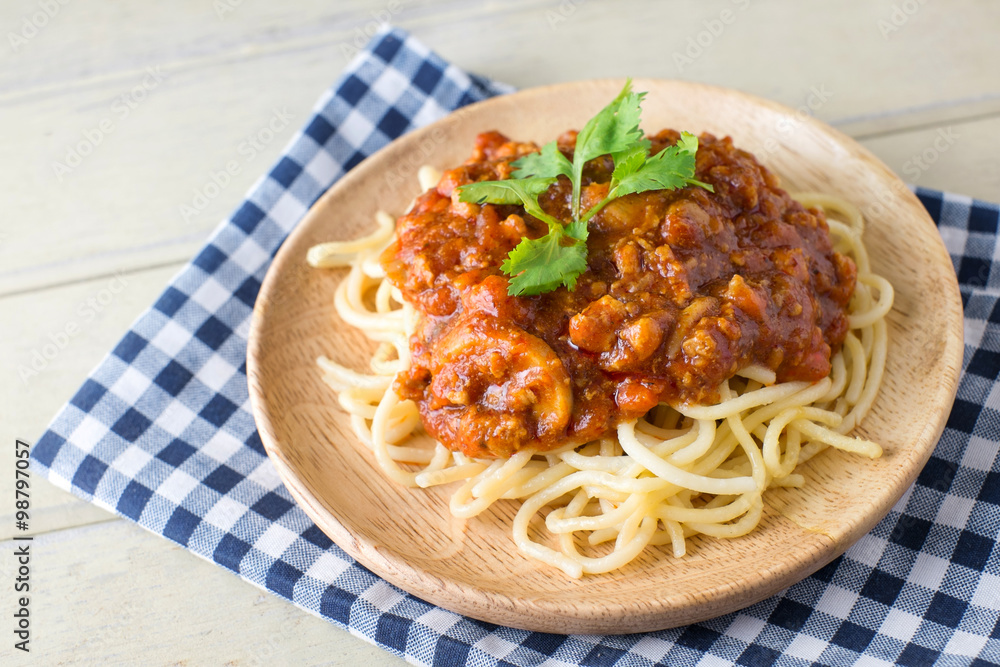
677,472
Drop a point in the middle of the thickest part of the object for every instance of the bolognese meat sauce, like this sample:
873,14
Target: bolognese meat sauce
684,288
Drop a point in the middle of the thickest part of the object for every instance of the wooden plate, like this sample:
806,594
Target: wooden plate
471,566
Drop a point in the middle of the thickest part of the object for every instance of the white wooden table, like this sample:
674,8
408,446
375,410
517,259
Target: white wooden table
154,97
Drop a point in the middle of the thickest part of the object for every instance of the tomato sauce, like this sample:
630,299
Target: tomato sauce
684,289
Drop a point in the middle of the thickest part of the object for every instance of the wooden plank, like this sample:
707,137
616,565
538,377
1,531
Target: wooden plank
874,125
53,339
80,42
960,157
116,594
864,50
122,203
779,50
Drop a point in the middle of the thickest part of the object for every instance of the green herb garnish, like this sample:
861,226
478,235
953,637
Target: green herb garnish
541,265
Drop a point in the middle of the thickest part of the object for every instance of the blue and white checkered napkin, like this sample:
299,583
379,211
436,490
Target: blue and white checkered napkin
161,432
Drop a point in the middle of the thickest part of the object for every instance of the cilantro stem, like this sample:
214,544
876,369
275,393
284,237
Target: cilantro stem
535,209
702,184
594,210
577,179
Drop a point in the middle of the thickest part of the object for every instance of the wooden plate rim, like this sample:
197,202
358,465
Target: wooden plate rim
658,612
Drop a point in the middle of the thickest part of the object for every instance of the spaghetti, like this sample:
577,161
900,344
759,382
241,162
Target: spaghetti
674,473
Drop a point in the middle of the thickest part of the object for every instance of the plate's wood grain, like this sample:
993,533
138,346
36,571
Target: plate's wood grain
471,566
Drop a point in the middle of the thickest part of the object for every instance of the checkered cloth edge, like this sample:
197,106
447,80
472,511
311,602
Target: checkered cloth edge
162,433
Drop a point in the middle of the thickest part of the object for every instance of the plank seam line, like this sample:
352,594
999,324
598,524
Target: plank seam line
84,279
960,120
915,109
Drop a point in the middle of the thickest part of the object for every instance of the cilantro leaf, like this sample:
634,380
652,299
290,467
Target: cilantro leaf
671,168
519,191
628,162
548,163
577,230
512,191
541,265
614,129
688,143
